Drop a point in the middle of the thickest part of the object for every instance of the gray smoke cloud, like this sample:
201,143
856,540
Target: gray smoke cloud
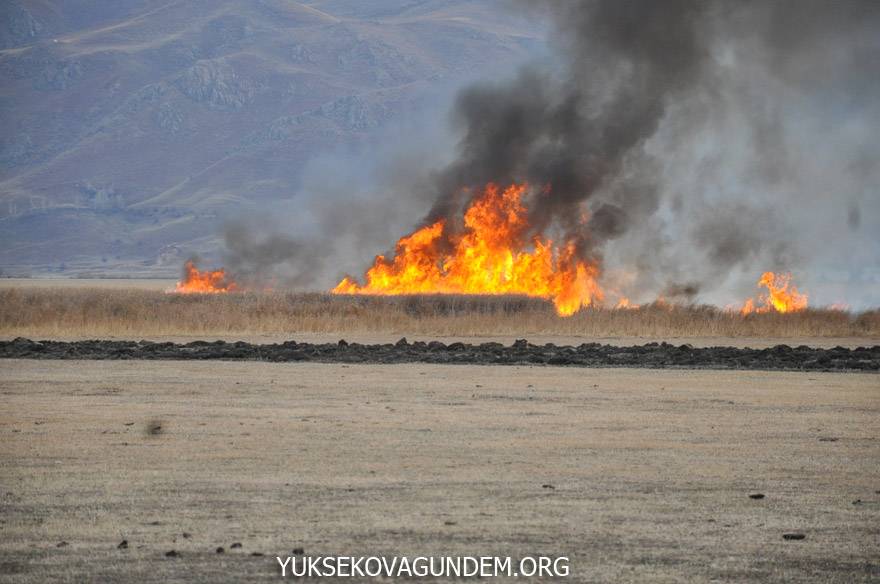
260,258
709,141
760,162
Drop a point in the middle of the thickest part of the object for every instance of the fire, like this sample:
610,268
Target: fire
197,281
625,304
782,297
492,254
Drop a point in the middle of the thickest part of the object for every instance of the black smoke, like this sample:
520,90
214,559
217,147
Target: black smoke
569,132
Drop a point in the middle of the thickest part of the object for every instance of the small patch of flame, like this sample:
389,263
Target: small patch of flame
783,296
488,256
197,281
625,304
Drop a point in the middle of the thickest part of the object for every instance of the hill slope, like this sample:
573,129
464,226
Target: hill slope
130,130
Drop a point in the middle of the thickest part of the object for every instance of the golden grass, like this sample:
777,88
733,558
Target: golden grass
47,312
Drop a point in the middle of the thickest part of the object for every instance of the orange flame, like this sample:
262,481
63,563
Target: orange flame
625,304
783,297
488,256
196,281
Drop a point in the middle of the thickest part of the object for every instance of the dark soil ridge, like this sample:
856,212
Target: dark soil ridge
521,352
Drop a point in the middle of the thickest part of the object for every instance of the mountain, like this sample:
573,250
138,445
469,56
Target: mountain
132,129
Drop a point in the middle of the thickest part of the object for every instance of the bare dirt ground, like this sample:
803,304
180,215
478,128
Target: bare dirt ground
636,475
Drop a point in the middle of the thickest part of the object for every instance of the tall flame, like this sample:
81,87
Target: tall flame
782,297
197,281
490,255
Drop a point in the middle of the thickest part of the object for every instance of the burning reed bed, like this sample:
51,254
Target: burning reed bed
95,312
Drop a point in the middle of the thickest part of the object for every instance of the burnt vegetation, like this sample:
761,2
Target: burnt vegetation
521,352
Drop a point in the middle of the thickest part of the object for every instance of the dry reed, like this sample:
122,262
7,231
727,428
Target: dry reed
131,313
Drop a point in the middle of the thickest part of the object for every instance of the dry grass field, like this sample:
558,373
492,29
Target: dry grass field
648,473
129,312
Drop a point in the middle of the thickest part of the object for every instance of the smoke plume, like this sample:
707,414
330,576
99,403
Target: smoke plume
570,131
705,141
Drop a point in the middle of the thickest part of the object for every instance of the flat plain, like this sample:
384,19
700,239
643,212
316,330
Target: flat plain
634,474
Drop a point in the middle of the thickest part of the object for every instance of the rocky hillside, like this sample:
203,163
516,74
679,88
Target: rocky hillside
132,129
